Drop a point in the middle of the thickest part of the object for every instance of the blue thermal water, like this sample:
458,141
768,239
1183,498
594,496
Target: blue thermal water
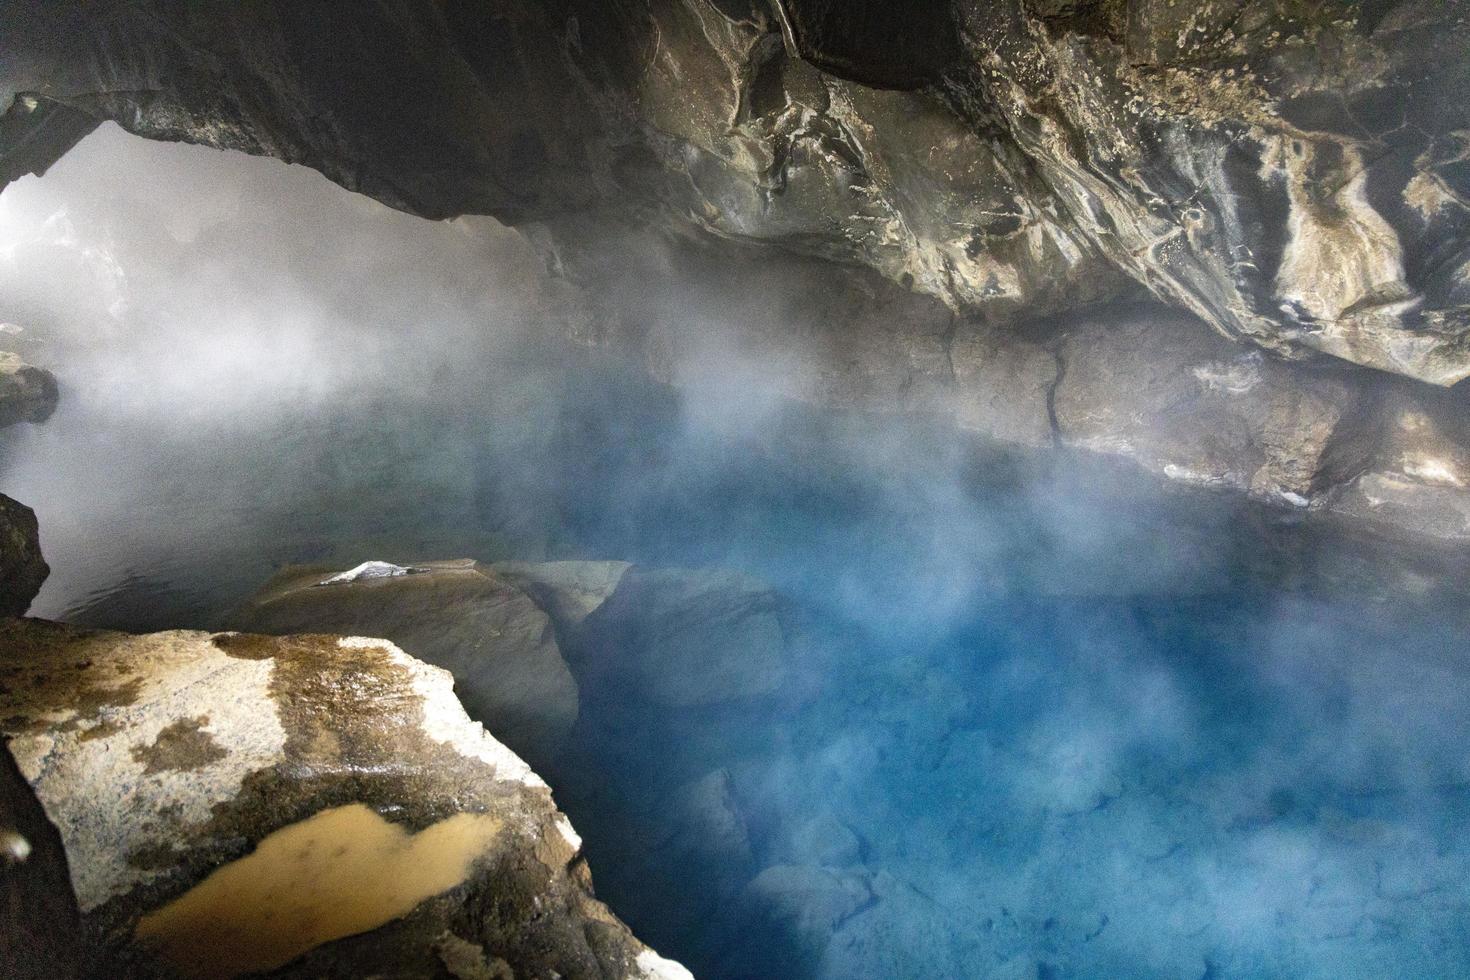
1039,720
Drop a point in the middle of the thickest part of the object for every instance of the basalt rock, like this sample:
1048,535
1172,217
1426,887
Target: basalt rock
1295,174
22,569
300,806
913,209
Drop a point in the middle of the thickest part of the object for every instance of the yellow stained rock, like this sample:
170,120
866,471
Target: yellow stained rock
339,872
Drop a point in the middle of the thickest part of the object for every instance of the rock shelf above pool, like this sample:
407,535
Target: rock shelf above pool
459,615
190,773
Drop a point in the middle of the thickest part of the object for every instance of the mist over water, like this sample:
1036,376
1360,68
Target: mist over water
1038,716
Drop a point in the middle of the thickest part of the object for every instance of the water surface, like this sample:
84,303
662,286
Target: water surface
1039,719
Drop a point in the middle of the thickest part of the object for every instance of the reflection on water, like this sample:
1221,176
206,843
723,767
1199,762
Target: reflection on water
1032,720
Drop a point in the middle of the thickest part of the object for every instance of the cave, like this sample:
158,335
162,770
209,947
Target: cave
738,489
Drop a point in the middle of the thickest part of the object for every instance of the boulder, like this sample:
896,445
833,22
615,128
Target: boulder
821,839
27,394
696,859
704,825
459,615
299,806
22,569
798,909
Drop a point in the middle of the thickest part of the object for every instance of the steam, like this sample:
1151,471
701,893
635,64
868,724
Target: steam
1039,653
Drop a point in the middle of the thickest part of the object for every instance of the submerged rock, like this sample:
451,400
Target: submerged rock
704,818
822,840
568,591
459,615
207,785
22,569
684,637
799,907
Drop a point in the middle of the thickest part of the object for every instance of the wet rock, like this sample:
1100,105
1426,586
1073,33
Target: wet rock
1003,385
202,781
27,394
22,569
1254,163
1294,178
685,637
822,840
802,906
458,615
40,932
1419,477
1199,409
703,818
871,345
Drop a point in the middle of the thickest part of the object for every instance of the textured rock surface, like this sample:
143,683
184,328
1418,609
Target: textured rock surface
27,394
22,569
40,925
1293,173
162,757
458,615
1198,408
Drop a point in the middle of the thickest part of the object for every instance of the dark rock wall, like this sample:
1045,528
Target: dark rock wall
22,569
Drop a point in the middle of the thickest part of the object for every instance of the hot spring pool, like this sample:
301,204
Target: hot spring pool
1042,720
